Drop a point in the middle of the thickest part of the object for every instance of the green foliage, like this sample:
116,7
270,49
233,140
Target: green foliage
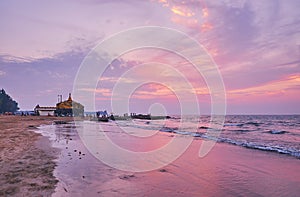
7,104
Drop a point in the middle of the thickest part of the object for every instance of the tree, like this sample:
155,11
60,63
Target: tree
7,104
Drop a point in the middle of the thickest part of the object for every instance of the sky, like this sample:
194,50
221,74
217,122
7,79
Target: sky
255,45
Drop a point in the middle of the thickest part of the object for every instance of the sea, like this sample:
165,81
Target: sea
276,133
228,170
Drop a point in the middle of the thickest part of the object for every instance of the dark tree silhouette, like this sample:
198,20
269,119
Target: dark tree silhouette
7,104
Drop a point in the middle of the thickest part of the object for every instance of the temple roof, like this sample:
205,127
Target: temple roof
69,104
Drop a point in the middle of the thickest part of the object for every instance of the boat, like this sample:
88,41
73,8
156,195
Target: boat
140,116
102,116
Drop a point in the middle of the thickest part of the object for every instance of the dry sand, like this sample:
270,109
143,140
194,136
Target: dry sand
26,158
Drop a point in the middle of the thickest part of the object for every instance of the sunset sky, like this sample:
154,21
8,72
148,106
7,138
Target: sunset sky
255,44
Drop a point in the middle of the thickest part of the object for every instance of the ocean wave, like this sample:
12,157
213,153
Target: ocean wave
233,125
253,123
277,132
241,130
203,127
264,147
239,134
168,129
272,148
198,134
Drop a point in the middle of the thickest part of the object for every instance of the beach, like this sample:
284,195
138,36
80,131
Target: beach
157,98
59,164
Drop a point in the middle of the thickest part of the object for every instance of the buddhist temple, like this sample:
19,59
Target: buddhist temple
69,108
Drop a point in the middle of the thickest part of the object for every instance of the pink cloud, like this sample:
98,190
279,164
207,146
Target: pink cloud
286,88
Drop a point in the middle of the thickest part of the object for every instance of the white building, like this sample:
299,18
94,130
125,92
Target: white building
44,111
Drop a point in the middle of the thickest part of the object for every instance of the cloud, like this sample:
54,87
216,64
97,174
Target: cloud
40,80
2,73
254,43
289,83
100,91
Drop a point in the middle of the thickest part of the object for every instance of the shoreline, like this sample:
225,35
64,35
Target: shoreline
26,157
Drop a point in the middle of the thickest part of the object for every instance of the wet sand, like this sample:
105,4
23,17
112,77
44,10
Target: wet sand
26,158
